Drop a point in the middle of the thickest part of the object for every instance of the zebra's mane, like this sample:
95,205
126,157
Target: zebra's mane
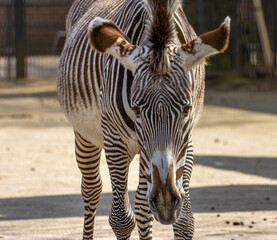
161,31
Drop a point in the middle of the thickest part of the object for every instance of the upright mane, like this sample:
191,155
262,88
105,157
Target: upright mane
161,32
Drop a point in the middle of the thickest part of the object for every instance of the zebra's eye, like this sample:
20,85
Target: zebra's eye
136,110
186,109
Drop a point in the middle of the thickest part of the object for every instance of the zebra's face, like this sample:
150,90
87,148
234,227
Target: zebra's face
163,122
162,100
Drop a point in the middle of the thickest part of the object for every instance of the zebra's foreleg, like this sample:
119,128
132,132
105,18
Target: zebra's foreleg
144,216
88,159
121,217
184,227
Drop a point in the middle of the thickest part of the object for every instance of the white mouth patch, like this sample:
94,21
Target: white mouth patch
162,160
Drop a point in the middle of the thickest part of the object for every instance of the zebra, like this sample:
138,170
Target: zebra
131,81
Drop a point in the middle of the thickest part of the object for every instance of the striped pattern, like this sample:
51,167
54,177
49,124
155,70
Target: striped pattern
77,10
97,95
88,159
184,227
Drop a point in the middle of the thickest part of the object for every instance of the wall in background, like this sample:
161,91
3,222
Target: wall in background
44,25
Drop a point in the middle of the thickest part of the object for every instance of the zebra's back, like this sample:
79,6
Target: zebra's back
81,69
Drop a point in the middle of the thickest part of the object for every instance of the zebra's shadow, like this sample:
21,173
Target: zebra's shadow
238,198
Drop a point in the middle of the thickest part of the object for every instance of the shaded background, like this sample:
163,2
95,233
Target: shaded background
32,35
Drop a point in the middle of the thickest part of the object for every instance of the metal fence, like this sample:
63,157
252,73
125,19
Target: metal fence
245,54
37,38
31,37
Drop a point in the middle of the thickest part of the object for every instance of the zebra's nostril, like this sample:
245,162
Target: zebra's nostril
178,203
152,205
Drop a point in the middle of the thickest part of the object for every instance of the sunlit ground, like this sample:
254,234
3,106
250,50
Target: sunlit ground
233,186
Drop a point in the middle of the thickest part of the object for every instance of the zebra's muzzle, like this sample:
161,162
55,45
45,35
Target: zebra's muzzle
166,212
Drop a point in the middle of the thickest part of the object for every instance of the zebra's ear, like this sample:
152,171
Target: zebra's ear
106,37
206,45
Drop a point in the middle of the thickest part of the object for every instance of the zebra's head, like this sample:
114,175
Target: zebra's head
162,96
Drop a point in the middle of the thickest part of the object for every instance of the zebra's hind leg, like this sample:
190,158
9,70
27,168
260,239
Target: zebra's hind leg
121,217
144,216
88,158
184,227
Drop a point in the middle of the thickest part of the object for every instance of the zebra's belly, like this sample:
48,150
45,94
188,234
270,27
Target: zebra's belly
87,122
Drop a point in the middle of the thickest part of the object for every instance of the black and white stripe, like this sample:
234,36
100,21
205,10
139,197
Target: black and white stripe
97,95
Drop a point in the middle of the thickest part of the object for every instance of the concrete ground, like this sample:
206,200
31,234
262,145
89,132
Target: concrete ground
233,186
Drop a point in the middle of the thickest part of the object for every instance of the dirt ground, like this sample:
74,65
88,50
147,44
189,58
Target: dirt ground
233,186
